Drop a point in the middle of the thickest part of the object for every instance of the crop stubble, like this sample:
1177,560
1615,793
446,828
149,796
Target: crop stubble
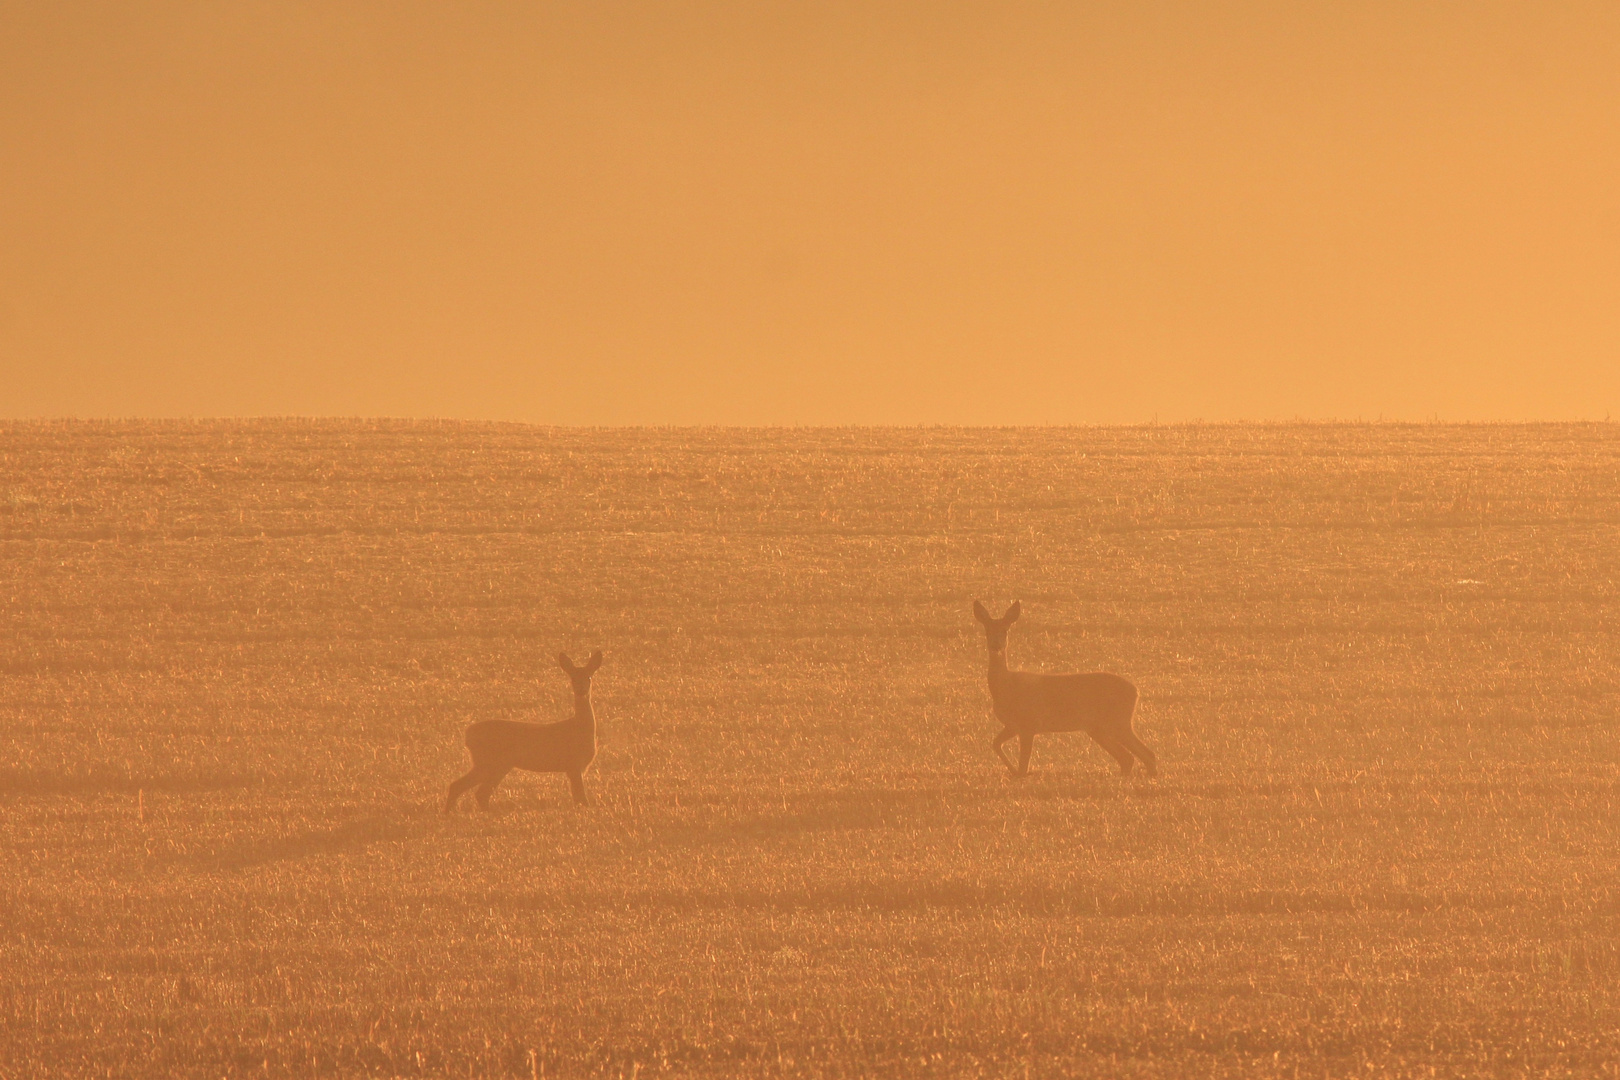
1378,663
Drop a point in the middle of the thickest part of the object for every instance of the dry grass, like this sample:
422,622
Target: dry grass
1380,666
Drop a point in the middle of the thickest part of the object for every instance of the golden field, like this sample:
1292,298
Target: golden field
1380,666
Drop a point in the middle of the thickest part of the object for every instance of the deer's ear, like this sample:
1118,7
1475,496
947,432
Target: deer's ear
1013,612
981,614
565,663
594,662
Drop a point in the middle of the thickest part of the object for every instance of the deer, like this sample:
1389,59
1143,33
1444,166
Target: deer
568,746
1030,703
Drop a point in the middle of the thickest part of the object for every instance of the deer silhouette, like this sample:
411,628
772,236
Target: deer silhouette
568,746
1029,703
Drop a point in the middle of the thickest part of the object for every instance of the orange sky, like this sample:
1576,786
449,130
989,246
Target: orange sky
817,212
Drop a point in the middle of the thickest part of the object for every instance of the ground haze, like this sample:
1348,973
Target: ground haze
1379,666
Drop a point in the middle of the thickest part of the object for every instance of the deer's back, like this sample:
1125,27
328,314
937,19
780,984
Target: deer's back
1033,701
561,747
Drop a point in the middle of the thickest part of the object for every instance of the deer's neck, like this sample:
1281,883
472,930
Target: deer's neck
583,713
998,669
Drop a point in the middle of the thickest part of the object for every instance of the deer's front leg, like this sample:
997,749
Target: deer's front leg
1006,733
1026,743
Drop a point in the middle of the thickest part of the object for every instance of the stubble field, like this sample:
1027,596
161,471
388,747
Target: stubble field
1380,666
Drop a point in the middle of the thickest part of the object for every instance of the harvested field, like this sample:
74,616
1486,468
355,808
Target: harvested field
1380,666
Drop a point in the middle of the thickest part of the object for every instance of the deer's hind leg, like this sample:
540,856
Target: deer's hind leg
577,782
1115,746
1149,760
491,781
459,787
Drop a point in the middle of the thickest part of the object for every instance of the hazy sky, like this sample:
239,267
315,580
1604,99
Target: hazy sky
811,212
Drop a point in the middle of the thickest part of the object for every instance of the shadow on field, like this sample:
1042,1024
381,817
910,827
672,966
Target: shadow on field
350,836
751,816
15,781
1044,899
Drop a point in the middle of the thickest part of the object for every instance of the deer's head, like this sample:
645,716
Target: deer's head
995,630
580,676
